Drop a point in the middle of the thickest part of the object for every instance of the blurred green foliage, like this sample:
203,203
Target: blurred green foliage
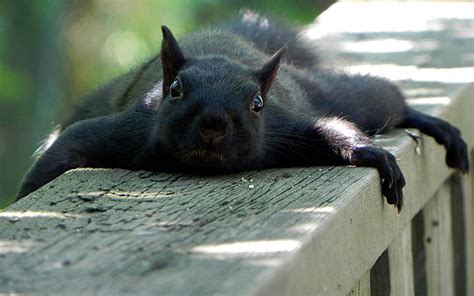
52,52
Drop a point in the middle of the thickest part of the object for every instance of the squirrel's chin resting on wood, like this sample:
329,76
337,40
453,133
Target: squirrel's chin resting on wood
239,96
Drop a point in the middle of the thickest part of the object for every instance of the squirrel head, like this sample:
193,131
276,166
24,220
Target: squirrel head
212,113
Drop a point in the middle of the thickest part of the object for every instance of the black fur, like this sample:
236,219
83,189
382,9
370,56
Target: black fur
269,35
213,122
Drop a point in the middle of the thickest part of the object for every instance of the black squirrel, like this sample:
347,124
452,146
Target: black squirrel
218,102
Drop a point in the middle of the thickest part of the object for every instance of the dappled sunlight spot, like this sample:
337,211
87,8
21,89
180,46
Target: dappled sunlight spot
124,195
89,193
142,196
378,46
267,262
447,75
16,246
260,247
389,45
429,101
138,195
37,214
412,92
125,47
362,24
396,72
89,170
304,227
374,19
312,210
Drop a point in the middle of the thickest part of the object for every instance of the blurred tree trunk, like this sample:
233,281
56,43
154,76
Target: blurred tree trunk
32,49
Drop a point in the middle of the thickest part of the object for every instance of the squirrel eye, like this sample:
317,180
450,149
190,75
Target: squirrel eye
257,103
176,89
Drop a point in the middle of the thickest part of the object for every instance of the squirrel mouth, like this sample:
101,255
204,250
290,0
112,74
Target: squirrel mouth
206,155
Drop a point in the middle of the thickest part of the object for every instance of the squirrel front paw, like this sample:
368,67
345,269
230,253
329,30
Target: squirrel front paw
456,150
391,176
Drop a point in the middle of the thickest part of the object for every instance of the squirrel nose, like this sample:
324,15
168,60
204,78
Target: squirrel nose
211,136
212,129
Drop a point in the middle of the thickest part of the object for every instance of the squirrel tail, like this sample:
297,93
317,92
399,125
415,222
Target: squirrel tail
269,35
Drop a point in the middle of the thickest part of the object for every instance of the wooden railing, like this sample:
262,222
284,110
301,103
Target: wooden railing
296,231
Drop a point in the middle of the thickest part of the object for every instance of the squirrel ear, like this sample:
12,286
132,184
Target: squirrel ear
172,58
268,72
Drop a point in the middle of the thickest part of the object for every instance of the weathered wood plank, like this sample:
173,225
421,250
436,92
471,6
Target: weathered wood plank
468,186
463,205
459,230
439,243
295,231
419,254
363,286
467,189
401,264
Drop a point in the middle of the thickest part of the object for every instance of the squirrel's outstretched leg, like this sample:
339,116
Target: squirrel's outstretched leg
335,141
444,133
109,141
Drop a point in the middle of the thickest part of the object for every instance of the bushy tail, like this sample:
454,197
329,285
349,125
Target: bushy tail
269,35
